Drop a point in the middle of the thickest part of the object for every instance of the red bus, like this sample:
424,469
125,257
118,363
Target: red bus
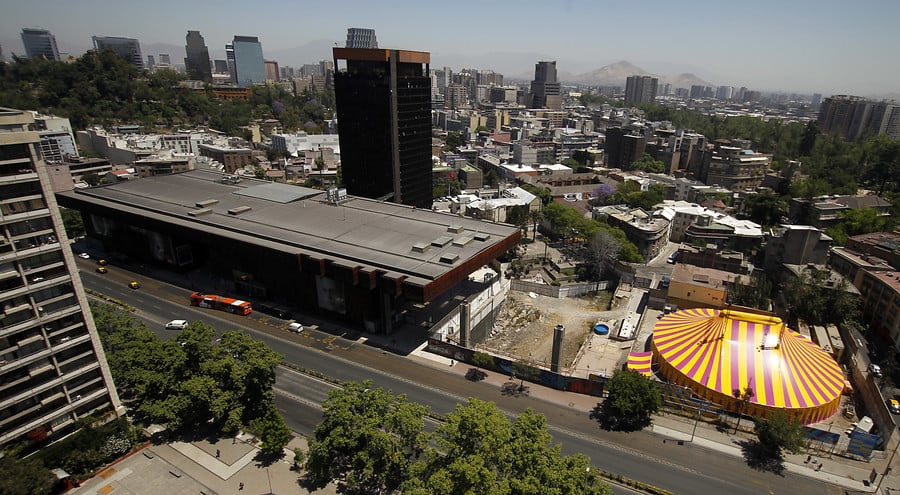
231,305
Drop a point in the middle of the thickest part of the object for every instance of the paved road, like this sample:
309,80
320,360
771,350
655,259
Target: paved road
685,469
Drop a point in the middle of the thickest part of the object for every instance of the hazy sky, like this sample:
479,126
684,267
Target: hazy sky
827,46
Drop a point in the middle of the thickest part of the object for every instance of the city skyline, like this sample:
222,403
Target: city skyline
800,46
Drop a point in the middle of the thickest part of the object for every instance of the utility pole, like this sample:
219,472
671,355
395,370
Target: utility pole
887,467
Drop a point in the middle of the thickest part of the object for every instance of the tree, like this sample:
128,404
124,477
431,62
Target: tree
855,222
743,395
647,163
480,451
452,142
368,437
756,294
91,179
272,431
25,477
765,208
776,435
604,250
542,192
632,399
186,381
536,217
809,297
72,222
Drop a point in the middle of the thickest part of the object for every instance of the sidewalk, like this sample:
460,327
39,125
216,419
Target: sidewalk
837,470
225,466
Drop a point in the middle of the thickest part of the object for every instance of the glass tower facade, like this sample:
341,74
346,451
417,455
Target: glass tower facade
39,43
249,65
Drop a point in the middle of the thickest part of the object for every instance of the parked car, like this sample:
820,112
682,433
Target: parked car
894,406
176,325
295,327
875,370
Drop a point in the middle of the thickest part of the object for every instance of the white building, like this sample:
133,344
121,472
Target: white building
301,141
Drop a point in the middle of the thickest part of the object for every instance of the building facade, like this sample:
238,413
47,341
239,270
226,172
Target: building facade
736,167
52,368
640,90
383,100
127,48
196,63
545,89
245,61
852,117
39,43
361,38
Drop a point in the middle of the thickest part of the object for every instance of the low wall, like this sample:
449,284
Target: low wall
558,291
503,365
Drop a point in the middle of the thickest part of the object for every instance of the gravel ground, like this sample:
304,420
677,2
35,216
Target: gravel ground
524,328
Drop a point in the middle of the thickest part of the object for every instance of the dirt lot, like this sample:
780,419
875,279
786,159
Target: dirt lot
524,328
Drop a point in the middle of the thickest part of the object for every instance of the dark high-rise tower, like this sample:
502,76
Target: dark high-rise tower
127,48
196,63
545,89
39,43
384,121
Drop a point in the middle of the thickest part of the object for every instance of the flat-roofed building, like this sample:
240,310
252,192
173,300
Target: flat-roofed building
231,158
53,372
346,257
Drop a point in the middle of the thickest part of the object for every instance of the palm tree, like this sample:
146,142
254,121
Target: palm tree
536,217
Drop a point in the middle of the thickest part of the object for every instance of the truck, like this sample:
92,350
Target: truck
221,303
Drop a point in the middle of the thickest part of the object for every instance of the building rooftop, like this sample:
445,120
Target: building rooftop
417,243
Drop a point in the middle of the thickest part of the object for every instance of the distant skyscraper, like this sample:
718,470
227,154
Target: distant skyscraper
39,43
54,372
221,66
724,93
383,100
361,38
272,72
127,48
164,59
853,117
245,61
640,90
545,89
196,61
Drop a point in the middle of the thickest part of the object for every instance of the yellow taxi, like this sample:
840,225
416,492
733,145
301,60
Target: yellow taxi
102,262
102,269
134,285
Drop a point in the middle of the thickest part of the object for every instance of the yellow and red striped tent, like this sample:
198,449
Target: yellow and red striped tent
719,352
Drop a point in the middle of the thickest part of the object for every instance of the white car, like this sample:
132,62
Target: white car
295,327
176,325
84,256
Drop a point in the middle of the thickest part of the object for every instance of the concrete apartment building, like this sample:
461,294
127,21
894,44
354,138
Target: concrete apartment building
640,90
796,245
871,262
231,158
648,231
52,368
734,166
852,117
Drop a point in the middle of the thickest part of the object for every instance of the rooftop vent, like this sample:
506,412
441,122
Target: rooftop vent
480,236
462,241
449,258
420,247
455,229
239,210
200,212
442,241
206,203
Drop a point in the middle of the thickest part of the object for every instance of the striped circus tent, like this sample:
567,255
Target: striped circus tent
718,352
641,362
